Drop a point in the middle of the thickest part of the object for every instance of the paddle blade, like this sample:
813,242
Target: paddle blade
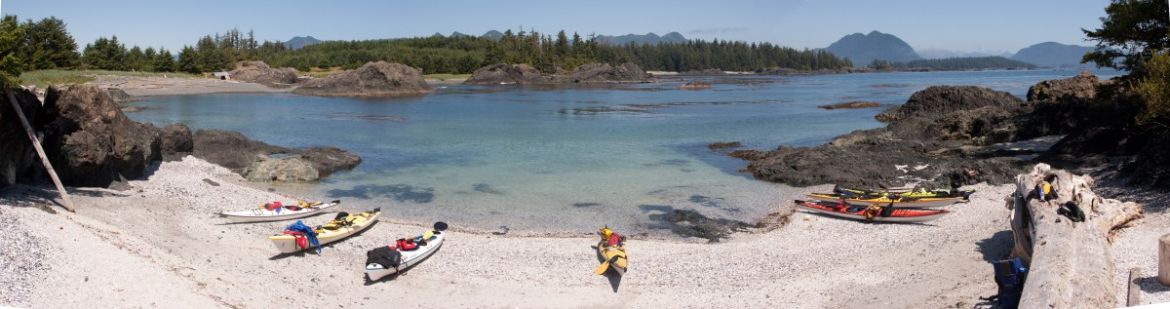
601,268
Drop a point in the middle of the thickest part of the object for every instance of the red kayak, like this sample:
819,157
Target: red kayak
902,215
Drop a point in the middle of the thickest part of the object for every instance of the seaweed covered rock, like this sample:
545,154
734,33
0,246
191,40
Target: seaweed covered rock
177,142
1081,88
503,74
373,80
260,73
231,149
938,101
259,161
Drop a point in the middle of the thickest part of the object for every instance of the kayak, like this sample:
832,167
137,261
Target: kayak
384,262
337,229
287,212
612,252
920,193
900,215
898,201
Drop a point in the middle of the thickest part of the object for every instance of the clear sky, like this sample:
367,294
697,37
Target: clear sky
988,25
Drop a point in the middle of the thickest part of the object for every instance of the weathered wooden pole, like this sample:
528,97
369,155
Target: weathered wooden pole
32,136
1164,259
1135,292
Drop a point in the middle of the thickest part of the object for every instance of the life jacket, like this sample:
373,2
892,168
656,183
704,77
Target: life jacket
406,244
273,206
615,239
1010,275
304,235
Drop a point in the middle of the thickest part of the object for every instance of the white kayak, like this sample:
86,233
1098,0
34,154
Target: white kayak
409,258
262,215
332,231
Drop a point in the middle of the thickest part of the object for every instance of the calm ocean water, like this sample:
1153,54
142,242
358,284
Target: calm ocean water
565,159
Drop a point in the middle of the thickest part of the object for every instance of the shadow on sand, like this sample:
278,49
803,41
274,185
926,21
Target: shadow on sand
996,247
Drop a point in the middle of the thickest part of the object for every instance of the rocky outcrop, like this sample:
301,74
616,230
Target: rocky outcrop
851,105
259,161
17,157
939,101
260,73
930,138
372,80
288,169
1079,89
91,142
504,74
231,149
177,142
695,85
605,73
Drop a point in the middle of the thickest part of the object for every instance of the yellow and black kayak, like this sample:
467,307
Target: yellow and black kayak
914,194
612,251
896,200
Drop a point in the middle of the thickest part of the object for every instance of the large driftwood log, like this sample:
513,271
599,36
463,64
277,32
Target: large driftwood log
1070,263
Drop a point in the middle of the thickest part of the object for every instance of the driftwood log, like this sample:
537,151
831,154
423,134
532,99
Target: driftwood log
1070,263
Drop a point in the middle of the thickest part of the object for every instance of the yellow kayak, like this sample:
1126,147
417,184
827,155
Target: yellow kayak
916,194
334,230
612,250
899,201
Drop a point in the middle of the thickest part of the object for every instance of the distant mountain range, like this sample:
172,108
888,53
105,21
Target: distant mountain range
1052,54
649,38
301,41
862,49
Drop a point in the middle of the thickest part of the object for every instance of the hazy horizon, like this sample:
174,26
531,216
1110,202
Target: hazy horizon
985,27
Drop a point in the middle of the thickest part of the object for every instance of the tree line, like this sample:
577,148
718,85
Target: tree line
953,64
551,53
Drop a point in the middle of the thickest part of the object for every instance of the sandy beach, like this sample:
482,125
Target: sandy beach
159,86
161,244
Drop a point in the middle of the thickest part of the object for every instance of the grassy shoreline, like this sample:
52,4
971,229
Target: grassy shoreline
44,78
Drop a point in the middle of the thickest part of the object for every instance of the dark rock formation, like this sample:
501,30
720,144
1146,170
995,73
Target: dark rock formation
17,156
231,149
938,101
497,74
723,145
91,143
330,159
1079,89
259,161
929,138
372,80
260,73
176,142
119,95
605,73
851,105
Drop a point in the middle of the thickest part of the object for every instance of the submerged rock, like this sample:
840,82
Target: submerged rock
501,73
695,85
373,80
851,105
260,73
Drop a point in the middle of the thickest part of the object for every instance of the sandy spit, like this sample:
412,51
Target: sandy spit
160,244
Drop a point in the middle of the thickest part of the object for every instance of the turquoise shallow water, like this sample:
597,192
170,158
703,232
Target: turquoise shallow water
564,159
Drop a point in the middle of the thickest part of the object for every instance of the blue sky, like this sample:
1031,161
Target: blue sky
989,26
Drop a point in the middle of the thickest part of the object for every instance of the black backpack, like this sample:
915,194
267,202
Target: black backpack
384,256
1009,276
